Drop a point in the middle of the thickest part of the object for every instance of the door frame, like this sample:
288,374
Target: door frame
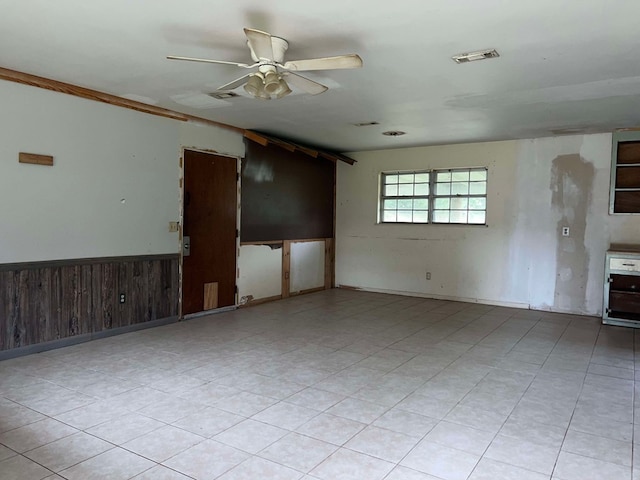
181,223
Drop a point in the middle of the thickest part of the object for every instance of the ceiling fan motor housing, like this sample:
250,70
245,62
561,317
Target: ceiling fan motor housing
279,46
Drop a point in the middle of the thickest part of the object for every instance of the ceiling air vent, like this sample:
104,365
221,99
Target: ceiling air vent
223,95
365,124
569,131
473,56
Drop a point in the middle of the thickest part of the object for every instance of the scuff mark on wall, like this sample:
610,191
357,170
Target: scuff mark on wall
571,185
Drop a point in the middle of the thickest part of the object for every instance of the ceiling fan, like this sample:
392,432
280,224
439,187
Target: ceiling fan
270,79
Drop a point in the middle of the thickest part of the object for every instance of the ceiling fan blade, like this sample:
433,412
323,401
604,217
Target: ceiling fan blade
235,83
205,60
259,43
327,63
303,83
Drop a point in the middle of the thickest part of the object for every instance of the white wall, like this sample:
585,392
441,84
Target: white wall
206,137
260,272
307,266
260,269
520,258
102,155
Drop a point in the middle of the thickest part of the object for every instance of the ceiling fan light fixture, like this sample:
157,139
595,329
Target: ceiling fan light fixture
263,96
255,85
271,82
283,89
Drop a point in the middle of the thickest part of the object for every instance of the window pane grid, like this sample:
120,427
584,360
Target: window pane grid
457,196
405,197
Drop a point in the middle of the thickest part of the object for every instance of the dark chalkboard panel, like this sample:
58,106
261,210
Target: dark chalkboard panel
285,195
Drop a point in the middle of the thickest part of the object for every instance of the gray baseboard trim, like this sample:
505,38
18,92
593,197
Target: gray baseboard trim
191,316
86,337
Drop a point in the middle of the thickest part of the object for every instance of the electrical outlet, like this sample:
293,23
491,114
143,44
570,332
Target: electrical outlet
565,231
123,298
428,275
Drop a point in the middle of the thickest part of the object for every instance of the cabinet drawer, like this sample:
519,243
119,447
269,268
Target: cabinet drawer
624,264
624,283
624,302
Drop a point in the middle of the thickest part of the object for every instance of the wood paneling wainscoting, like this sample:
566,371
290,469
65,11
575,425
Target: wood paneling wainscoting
50,301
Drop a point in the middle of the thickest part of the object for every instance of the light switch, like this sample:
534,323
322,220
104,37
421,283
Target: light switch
173,226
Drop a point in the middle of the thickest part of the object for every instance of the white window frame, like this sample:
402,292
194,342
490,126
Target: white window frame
435,193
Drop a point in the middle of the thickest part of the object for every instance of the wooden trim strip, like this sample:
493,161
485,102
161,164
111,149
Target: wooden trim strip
331,157
270,242
254,137
279,242
283,144
5,267
305,240
211,123
89,94
35,159
308,290
328,263
264,140
308,151
334,156
286,267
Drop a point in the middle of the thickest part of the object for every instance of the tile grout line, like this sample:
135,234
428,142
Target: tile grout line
577,400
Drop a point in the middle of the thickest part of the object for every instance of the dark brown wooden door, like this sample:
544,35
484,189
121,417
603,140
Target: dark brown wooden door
210,209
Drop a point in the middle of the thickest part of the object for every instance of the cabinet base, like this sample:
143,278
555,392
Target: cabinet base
621,322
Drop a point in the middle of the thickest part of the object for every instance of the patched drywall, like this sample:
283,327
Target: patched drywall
465,262
571,186
535,186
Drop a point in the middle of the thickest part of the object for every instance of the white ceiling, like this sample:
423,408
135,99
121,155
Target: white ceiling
565,64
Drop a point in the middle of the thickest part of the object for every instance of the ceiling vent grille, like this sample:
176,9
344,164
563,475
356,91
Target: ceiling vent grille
366,124
474,56
223,95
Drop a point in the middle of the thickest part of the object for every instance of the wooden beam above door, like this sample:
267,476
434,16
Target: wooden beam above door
264,140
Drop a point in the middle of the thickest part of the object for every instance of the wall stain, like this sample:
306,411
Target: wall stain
571,186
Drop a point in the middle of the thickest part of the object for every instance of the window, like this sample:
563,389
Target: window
434,196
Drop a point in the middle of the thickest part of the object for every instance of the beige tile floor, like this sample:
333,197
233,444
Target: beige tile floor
336,385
